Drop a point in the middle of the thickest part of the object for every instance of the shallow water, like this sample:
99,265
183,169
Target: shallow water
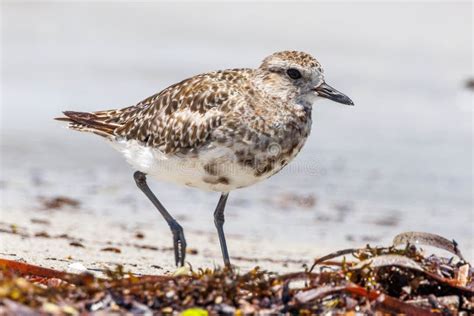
400,160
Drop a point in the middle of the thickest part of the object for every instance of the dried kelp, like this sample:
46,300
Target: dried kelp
394,280
418,238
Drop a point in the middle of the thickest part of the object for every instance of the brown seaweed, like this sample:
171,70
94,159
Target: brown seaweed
377,279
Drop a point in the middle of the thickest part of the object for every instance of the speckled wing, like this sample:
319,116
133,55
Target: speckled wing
182,117
178,119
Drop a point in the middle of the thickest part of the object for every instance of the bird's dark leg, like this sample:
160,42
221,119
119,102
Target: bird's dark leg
219,222
178,235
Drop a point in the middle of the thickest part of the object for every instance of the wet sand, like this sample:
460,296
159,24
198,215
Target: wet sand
61,238
400,160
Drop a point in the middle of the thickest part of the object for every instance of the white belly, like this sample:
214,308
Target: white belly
191,171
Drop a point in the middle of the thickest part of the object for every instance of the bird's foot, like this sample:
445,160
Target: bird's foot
179,243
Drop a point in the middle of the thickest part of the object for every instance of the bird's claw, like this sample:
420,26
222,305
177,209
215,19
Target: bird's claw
179,244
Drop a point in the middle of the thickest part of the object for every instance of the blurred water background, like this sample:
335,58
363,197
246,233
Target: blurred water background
400,160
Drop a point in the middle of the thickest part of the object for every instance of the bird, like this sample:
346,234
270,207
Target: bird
217,131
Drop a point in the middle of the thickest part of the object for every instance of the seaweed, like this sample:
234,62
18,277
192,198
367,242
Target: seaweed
393,280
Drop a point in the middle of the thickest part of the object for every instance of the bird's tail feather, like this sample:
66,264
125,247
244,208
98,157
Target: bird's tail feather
96,122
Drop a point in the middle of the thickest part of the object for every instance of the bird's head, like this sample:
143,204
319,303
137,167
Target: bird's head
296,76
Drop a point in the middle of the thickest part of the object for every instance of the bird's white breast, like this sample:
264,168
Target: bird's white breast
190,170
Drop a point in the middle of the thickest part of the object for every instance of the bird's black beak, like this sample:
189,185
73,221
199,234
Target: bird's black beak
326,91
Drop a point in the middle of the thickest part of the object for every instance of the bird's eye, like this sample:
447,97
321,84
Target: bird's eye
293,73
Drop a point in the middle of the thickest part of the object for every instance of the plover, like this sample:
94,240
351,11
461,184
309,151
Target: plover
217,131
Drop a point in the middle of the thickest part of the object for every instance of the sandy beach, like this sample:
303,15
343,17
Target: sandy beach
400,160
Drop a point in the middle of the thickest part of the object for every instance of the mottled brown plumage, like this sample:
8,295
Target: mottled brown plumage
217,131
247,110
